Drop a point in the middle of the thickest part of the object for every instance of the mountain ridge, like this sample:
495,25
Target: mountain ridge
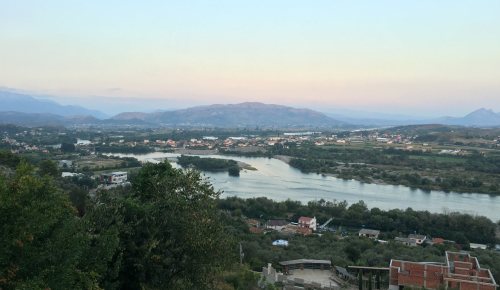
477,118
18,102
19,108
247,114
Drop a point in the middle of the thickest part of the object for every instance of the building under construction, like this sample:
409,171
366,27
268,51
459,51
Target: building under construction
461,271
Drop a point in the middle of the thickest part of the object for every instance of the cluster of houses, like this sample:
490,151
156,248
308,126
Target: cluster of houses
414,240
251,143
410,240
304,226
307,225
242,142
18,146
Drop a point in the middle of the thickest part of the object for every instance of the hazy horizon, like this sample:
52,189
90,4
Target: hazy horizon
425,59
114,105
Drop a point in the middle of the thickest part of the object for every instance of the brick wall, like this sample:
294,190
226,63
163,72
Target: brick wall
466,265
466,275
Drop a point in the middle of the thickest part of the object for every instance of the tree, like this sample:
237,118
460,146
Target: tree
172,237
353,252
164,233
42,242
48,167
8,159
67,147
234,171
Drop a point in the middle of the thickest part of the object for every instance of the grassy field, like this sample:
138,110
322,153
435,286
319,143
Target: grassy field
98,163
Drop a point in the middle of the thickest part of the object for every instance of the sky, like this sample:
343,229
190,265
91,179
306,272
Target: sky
425,57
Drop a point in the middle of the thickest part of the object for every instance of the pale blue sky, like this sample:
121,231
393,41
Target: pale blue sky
407,56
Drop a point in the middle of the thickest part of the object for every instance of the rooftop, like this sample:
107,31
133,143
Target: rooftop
416,237
305,219
369,232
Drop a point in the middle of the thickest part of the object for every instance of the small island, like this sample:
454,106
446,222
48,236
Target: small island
210,164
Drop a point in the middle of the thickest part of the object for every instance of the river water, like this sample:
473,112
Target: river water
277,180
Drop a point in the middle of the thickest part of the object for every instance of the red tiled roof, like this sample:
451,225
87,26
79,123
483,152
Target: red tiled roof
438,241
305,219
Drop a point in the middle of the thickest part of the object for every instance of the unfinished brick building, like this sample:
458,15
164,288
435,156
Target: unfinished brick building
461,271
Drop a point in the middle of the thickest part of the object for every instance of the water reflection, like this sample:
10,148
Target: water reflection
276,180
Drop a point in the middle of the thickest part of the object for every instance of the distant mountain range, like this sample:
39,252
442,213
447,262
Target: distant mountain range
479,118
17,102
238,115
22,109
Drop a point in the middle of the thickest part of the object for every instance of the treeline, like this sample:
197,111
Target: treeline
165,232
138,149
349,249
462,228
210,164
260,153
170,230
345,251
428,171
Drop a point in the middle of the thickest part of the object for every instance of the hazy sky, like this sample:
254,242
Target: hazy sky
427,57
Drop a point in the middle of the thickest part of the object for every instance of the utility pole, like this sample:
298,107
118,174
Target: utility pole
360,279
370,281
241,254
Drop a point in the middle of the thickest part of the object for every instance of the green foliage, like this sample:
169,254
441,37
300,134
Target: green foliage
42,241
173,237
234,171
475,172
8,159
209,164
67,147
48,167
165,233
239,278
463,228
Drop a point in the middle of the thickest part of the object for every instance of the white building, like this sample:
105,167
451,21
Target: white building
478,246
118,177
372,234
70,174
307,222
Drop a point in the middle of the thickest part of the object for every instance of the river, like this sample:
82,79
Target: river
279,181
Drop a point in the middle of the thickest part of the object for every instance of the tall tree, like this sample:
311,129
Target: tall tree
42,242
171,236
48,167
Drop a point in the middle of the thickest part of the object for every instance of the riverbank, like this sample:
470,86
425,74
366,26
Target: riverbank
183,151
400,168
277,180
287,160
246,166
